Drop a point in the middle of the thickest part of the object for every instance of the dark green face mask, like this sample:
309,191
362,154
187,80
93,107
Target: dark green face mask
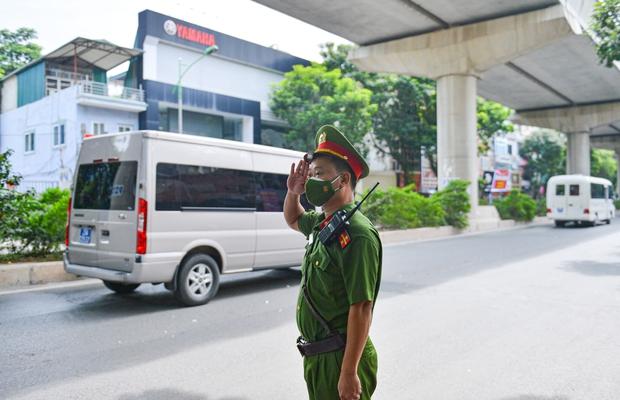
319,191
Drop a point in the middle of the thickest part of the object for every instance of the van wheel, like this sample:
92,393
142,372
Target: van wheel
198,280
560,224
122,288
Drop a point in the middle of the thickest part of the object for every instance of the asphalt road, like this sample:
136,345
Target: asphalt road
527,314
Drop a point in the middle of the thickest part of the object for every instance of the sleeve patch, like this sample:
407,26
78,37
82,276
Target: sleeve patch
344,239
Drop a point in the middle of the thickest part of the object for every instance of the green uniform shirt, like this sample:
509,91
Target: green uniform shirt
337,277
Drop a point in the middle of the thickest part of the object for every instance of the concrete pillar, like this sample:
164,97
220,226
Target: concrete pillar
578,153
456,132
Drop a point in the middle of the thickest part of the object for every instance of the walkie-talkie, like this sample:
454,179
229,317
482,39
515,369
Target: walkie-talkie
340,220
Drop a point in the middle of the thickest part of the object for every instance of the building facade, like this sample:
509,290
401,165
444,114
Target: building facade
225,95
48,106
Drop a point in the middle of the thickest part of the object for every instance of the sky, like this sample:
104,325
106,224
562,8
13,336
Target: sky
59,21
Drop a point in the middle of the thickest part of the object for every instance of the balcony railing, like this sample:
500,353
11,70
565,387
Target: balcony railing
102,89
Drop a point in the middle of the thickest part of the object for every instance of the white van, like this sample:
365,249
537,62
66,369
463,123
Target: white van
162,207
581,199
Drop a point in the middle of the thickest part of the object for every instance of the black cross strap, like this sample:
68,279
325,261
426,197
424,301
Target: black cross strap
315,312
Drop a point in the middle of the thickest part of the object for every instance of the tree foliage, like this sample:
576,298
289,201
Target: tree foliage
29,223
309,97
405,120
492,119
606,26
604,165
17,49
545,153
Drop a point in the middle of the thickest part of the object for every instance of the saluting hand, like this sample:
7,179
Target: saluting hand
297,178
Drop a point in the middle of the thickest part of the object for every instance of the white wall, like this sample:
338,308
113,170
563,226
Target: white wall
40,116
110,118
9,94
211,74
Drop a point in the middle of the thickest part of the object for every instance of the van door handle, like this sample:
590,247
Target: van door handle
122,216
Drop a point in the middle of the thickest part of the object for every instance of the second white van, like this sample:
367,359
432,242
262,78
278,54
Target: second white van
581,199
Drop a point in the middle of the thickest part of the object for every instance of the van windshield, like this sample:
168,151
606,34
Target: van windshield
106,186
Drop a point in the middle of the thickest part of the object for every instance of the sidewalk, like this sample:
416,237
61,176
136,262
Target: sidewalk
20,275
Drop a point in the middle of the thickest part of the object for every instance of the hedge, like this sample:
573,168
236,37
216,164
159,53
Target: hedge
403,208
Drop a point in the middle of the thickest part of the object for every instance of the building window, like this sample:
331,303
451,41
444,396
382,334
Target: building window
29,142
98,128
273,135
59,135
125,127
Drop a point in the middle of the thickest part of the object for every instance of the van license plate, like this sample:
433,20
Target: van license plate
85,234
560,210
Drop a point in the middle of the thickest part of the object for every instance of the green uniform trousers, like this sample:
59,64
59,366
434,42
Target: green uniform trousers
322,372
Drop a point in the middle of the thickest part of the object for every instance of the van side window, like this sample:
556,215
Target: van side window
610,192
560,190
597,191
271,191
179,185
573,190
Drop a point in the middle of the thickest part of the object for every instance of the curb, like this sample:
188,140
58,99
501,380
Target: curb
33,273
14,276
476,227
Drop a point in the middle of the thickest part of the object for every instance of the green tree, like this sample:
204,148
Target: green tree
606,27
17,49
603,164
406,120
309,97
492,119
545,153
406,114
7,195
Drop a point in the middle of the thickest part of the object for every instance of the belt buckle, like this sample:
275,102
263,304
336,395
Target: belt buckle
300,345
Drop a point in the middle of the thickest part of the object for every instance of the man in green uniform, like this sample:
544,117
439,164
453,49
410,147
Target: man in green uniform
340,280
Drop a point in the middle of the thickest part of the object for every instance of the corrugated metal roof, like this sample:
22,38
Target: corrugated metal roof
98,53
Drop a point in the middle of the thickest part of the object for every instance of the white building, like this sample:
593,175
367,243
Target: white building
51,103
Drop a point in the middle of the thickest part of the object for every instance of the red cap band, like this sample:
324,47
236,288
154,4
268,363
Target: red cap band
342,152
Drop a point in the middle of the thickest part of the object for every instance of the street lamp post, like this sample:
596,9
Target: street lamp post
179,87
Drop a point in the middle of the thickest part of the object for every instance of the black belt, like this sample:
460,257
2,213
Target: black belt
333,342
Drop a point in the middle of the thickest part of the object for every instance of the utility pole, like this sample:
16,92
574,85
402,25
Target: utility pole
180,97
179,87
